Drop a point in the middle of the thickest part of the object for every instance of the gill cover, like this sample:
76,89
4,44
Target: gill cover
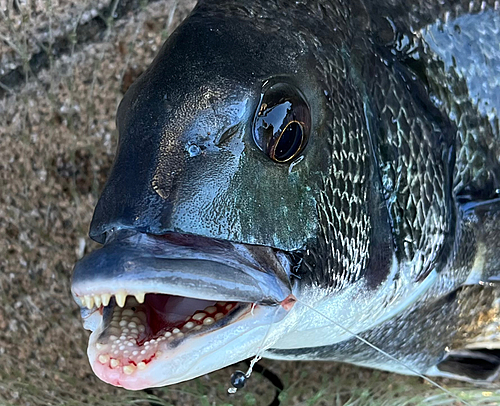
187,161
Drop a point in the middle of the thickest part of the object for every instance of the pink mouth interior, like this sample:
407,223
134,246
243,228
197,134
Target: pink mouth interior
139,333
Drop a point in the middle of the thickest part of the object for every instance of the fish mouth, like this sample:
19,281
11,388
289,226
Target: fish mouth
164,309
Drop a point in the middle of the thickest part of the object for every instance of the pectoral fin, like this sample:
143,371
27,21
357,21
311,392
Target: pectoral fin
474,365
478,252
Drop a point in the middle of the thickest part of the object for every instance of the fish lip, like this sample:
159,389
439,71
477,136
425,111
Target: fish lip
182,265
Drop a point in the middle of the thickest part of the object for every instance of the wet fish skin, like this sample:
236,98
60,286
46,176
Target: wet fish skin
151,199
157,196
385,209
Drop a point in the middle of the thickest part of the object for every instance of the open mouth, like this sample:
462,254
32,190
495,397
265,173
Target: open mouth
156,306
135,331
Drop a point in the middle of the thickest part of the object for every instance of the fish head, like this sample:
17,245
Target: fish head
214,197
193,154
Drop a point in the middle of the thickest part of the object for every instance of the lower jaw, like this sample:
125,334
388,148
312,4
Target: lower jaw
134,338
116,377
245,334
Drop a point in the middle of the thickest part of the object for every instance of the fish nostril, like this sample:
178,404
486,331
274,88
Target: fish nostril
227,134
193,150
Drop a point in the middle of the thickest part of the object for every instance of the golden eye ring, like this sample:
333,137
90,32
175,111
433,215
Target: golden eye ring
276,155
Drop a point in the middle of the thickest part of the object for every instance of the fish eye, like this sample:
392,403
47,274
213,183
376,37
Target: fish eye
282,123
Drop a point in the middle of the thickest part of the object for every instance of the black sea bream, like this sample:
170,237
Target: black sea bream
290,174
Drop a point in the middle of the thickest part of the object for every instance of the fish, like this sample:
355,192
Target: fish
306,180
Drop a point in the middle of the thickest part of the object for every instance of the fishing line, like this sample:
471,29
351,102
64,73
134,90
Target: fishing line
387,354
239,378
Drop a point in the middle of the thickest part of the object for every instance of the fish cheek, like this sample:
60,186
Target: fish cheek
274,202
274,206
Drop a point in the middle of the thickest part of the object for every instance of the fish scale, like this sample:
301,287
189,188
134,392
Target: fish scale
478,148
413,143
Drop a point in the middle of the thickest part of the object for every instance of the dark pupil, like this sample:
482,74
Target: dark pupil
289,142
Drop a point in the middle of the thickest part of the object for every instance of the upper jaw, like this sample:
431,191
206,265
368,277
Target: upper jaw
181,265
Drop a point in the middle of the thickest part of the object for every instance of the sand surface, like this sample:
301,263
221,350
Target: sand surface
64,66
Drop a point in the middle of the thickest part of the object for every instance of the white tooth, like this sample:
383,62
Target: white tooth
168,334
103,358
141,365
143,352
131,324
199,316
135,352
105,297
219,316
130,344
141,328
178,335
229,307
123,323
128,312
189,325
208,321
112,337
197,328
221,303
97,299
176,330
121,297
129,369
140,297
89,302
121,348
114,363
99,346
210,309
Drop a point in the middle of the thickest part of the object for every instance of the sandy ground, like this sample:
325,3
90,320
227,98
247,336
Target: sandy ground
57,139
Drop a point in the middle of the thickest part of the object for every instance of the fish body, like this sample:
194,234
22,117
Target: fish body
295,178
